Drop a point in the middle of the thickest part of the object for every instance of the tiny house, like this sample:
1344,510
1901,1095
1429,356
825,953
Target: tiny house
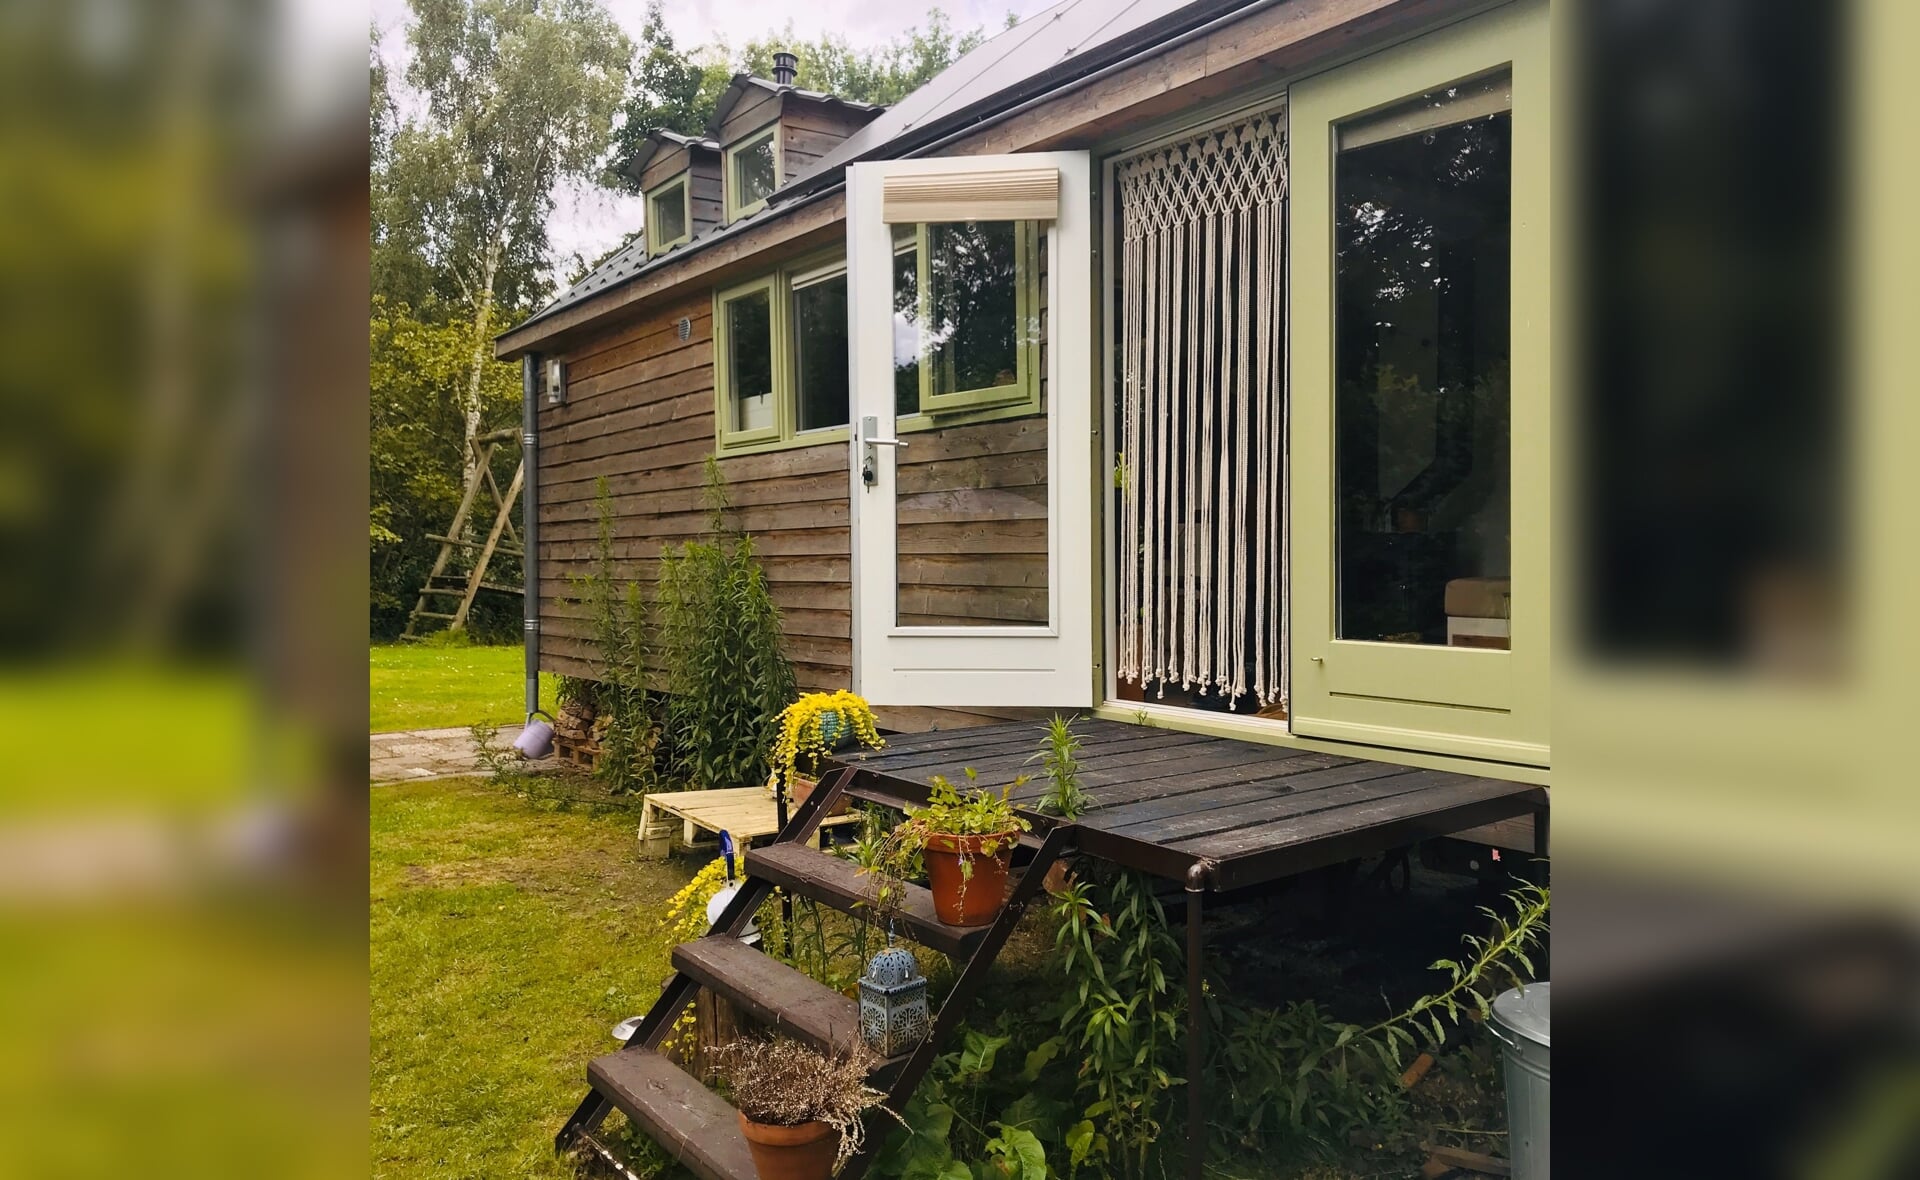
1189,366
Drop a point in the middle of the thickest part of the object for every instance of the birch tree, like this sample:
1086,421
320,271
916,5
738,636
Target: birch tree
517,97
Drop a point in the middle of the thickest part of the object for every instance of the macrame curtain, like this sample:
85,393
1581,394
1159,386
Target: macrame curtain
1202,461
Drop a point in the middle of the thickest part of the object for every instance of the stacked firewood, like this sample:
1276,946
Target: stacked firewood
575,721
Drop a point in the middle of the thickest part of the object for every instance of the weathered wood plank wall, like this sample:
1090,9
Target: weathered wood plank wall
640,413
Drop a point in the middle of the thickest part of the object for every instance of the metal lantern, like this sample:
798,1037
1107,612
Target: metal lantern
893,1003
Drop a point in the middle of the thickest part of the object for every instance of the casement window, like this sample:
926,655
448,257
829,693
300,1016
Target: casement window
969,319
669,218
753,172
780,359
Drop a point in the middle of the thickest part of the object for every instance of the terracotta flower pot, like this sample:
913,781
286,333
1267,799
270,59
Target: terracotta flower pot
804,1152
961,898
803,787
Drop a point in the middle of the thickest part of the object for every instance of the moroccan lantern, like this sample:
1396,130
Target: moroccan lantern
893,1003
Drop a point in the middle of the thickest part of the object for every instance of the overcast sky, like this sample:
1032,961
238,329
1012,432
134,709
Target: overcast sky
588,222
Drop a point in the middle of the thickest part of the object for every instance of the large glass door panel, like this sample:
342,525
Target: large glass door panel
1420,393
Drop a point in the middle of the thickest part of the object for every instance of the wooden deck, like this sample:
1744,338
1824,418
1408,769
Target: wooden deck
1241,812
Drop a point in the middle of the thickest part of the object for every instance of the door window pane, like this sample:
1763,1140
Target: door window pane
820,352
750,360
668,211
974,333
906,321
755,173
1422,197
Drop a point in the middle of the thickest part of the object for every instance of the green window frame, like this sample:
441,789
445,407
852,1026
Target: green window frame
1020,397
784,431
736,209
656,244
730,437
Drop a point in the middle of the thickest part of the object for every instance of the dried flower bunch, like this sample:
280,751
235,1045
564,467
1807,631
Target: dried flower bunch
784,1083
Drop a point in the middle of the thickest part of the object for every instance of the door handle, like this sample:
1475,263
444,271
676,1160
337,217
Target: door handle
869,439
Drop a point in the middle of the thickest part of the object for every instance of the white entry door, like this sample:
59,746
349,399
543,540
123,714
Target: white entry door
970,284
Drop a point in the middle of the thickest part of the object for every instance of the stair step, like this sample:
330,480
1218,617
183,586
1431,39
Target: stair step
840,884
692,1123
772,993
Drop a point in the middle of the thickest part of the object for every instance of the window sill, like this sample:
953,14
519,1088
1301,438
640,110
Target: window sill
831,436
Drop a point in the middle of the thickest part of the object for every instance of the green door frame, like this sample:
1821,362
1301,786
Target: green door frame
1470,702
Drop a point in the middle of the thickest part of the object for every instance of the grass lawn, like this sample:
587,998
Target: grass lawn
505,942
420,686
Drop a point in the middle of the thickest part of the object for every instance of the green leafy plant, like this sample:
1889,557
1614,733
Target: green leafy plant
1060,759
1298,1076
631,731
1121,1017
976,1119
727,678
948,812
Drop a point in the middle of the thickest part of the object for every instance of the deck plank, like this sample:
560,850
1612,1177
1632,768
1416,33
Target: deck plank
1167,800
1368,804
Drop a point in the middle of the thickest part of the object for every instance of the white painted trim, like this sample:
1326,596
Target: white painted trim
976,666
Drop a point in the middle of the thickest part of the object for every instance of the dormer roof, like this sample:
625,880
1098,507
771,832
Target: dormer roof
745,84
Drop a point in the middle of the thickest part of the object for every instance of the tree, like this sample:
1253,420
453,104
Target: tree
519,97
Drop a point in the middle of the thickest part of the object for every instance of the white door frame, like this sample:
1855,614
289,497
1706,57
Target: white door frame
1045,666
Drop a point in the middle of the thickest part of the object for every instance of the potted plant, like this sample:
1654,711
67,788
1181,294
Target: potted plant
800,1110
812,727
965,842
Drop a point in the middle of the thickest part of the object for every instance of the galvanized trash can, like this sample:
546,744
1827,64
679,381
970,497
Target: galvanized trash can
1522,1024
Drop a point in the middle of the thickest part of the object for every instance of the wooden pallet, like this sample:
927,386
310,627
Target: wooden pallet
585,755
747,813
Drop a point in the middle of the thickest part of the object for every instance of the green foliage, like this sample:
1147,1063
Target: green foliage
416,376
1121,1017
982,1115
1300,1080
979,812
619,624
727,678
1060,755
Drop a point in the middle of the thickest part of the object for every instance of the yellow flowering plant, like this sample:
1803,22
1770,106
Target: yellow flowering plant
813,727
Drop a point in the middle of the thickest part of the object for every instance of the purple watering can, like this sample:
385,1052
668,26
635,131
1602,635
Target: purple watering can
536,740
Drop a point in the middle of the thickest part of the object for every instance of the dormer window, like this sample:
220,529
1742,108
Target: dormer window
753,172
669,219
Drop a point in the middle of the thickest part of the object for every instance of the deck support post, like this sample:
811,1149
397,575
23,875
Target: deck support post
1196,1025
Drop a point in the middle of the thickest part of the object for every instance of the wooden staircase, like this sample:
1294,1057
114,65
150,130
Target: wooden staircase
695,1125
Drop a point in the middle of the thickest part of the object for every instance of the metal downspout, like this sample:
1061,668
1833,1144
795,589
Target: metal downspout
530,524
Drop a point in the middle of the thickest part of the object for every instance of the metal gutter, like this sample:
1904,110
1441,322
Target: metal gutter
530,524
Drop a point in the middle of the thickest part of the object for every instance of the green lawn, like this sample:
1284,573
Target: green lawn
505,942
420,686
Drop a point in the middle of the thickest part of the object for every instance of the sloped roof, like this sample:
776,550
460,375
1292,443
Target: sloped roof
659,140
743,84
1043,53
1040,54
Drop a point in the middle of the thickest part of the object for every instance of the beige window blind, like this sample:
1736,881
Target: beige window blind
1023,194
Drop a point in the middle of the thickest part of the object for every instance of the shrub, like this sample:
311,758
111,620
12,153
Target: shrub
727,677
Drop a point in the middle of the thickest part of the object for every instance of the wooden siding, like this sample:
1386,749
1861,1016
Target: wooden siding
809,130
640,413
756,108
